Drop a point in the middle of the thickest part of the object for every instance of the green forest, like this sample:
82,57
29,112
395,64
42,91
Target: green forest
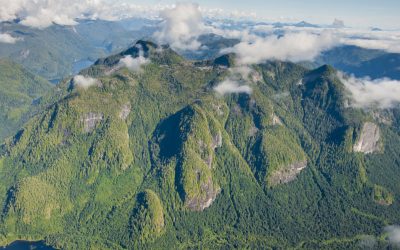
155,159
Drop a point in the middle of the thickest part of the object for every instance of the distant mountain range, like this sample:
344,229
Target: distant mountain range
350,59
59,51
363,62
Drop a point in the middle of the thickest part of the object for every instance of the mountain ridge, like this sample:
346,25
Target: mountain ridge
167,162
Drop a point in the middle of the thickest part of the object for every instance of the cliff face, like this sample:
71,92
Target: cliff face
90,121
287,174
368,142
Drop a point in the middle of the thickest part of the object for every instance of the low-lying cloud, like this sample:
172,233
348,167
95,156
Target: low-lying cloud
7,38
230,86
290,42
134,64
44,13
295,47
379,44
366,93
387,40
181,26
84,82
393,235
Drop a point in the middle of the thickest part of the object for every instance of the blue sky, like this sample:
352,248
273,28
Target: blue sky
357,13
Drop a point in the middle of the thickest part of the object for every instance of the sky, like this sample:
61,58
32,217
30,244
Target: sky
356,13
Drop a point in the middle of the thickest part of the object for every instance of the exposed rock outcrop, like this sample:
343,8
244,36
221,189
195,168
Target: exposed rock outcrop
368,141
218,109
209,191
253,131
382,117
382,196
255,76
125,111
90,121
276,120
217,140
287,174
191,138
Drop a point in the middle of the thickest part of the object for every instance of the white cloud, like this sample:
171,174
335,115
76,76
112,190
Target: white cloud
296,47
181,27
263,28
227,14
134,64
7,38
242,34
84,82
366,93
183,24
393,234
230,86
44,13
238,81
261,34
387,45
243,71
388,40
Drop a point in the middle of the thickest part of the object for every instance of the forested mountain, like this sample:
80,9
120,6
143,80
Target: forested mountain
58,51
363,62
154,158
20,93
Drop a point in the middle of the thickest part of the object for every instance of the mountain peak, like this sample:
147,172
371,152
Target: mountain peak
146,49
141,46
227,60
337,23
325,70
306,25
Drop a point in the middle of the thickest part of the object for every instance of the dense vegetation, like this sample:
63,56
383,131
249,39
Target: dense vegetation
362,62
58,51
185,168
19,94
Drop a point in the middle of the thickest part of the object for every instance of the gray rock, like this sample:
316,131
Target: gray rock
276,120
217,140
253,131
368,141
201,202
382,118
287,174
90,121
125,111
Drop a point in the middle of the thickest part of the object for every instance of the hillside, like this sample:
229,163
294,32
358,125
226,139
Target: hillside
154,158
19,93
362,62
60,51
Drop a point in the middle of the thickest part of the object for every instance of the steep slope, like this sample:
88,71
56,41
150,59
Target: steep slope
19,93
362,62
154,158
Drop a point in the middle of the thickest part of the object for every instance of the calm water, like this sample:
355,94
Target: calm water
76,67
27,245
